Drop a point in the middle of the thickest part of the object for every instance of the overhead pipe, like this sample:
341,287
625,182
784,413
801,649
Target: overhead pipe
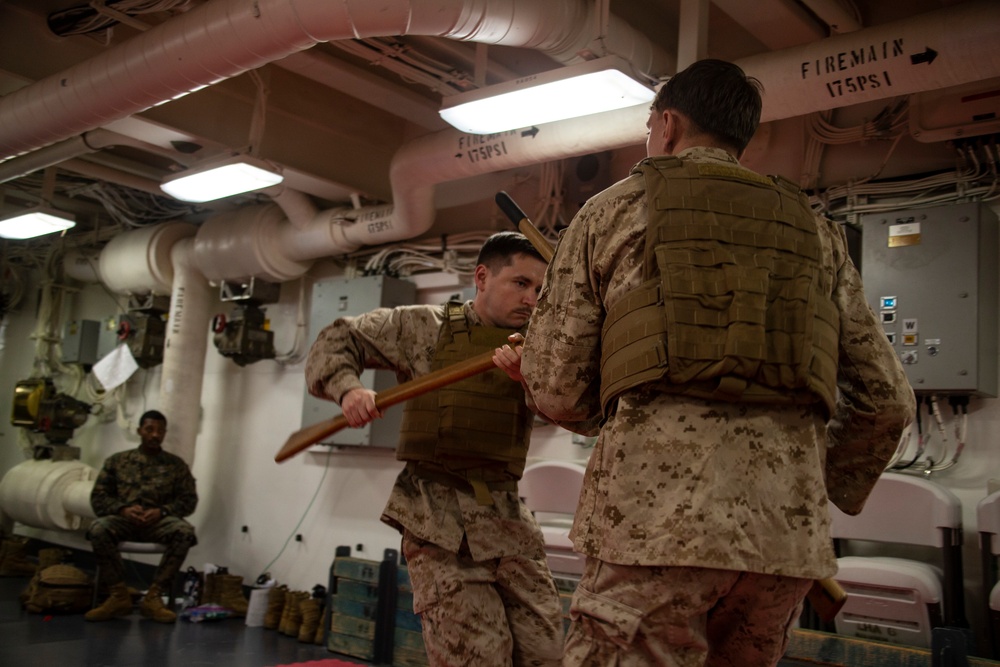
939,49
265,247
110,174
223,38
88,142
834,14
449,155
258,242
299,208
141,261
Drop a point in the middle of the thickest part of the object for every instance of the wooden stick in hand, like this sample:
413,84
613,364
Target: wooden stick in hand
309,436
520,220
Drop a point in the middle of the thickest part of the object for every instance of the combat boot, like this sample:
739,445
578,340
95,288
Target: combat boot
275,607
210,594
152,606
320,635
50,557
291,620
13,562
310,610
231,593
119,603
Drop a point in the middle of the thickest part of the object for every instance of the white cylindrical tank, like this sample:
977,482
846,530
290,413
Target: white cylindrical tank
48,494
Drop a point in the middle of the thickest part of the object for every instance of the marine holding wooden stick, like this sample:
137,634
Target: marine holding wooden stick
475,554
713,331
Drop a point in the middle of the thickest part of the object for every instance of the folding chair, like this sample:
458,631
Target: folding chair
551,490
895,599
988,523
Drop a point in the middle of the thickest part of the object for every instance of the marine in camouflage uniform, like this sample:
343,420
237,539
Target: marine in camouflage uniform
143,495
704,516
475,554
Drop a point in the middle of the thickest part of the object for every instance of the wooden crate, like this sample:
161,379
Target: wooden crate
357,647
354,607
408,642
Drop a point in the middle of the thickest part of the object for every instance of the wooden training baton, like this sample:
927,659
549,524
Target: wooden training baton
520,220
310,435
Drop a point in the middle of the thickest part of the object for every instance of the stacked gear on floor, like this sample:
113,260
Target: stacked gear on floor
213,596
296,614
13,557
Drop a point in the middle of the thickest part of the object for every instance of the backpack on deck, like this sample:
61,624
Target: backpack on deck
58,589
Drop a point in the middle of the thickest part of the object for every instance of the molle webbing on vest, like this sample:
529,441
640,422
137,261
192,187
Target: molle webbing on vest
476,429
736,304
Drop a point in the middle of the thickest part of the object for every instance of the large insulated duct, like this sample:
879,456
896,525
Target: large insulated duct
244,243
48,494
139,262
871,64
223,38
184,352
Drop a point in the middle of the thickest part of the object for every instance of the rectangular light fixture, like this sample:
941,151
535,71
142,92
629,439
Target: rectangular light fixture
216,179
591,87
34,222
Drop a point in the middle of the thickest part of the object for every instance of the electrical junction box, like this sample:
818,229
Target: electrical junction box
79,343
931,277
85,342
344,297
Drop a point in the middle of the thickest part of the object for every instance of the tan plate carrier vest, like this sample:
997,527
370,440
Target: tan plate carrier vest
474,432
735,303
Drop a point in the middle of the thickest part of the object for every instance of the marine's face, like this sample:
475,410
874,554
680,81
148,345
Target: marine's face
506,298
152,432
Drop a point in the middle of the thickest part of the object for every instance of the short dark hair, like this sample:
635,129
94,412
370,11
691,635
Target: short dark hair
155,415
500,249
718,98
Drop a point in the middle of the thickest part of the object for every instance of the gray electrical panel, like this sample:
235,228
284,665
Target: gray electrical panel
87,341
342,297
931,277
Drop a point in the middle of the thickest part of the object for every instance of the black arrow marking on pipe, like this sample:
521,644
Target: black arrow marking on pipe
530,133
927,56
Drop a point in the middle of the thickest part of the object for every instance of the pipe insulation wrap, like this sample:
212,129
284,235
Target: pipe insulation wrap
242,244
184,352
322,237
138,262
224,38
33,492
881,62
82,266
76,498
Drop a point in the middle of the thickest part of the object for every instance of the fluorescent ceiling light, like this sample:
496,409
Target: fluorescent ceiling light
221,178
578,90
35,222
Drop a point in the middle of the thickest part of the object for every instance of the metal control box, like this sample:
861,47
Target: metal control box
343,297
86,342
931,277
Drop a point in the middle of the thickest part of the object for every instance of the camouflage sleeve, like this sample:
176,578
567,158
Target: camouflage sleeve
876,402
185,498
104,496
562,351
395,339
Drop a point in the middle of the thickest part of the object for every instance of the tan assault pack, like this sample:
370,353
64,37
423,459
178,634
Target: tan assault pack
58,589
